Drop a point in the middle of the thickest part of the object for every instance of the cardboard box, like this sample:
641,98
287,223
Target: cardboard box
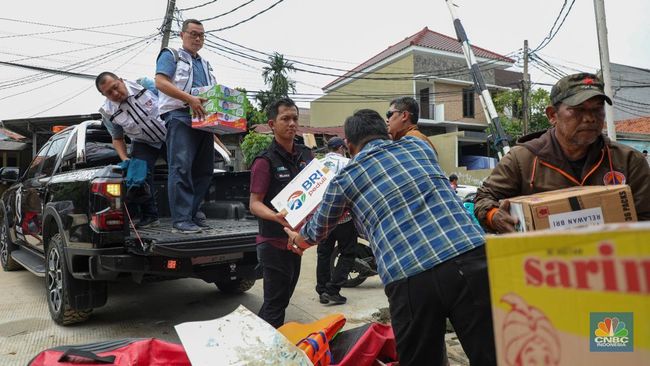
571,297
304,193
224,110
573,207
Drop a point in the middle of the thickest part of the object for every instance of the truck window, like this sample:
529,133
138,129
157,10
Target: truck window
56,148
37,162
70,155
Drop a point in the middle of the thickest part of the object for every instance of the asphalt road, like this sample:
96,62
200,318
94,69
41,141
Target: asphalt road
152,310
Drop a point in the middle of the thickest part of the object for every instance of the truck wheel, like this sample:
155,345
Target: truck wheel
58,282
6,247
235,287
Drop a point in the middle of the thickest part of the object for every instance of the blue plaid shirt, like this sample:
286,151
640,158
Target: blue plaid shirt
402,202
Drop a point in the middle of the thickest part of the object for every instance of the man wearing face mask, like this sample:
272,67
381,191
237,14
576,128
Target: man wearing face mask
572,153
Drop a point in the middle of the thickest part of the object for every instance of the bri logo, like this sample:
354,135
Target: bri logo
296,199
611,332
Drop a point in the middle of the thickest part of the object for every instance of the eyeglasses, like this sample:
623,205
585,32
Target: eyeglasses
194,34
390,113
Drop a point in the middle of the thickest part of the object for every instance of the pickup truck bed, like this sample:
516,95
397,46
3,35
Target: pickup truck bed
225,234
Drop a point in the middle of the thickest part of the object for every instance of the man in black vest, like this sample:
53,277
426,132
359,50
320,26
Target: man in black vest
271,171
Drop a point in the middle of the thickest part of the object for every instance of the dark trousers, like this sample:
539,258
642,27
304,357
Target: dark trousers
328,281
457,289
148,153
190,155
281,270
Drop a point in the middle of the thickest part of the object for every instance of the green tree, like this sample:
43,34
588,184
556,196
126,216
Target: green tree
253,144
276,76
254,116
512,101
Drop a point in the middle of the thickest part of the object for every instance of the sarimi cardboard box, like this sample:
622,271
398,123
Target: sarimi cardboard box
573,207
224,110
304,193
571,297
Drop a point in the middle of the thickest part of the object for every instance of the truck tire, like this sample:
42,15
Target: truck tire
58,283
235,287
6,247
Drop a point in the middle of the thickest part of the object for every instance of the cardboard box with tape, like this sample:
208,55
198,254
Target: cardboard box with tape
573,207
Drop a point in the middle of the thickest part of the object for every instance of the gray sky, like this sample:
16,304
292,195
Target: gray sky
334,33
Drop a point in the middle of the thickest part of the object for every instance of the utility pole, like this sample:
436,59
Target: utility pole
603,47
167,23
498,135
525,93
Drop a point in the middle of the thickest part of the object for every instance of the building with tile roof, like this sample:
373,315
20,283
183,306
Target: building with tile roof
430,67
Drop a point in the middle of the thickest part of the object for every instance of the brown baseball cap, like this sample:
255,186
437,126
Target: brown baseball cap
575,89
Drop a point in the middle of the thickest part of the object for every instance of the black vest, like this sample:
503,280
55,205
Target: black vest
284,167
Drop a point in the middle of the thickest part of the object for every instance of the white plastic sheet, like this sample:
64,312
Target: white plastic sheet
239,338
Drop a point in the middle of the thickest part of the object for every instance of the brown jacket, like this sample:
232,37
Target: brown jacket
413,131
538,165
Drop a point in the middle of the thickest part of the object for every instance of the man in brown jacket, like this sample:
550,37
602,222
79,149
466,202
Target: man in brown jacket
402,119
571,153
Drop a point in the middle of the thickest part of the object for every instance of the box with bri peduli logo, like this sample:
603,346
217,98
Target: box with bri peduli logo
304,193
573,207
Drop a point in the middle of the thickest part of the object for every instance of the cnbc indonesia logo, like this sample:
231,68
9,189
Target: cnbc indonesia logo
612,332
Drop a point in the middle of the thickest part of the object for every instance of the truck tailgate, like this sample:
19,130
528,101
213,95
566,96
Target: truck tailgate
226,236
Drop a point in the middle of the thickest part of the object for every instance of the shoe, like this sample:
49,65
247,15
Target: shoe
186,227
323,299
201,221
335,299
147,222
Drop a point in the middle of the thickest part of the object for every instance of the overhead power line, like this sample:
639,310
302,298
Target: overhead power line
553,32
71,29
199,6
46,69
247,19
228,12
90,86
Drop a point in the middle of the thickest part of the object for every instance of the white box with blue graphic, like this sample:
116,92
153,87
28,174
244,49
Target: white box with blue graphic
304,193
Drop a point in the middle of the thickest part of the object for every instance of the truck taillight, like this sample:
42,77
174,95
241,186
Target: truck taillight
107,220
106,209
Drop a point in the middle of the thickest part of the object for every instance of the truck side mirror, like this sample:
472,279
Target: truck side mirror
9,174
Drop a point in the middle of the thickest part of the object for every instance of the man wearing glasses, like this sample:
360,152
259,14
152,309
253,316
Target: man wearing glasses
402,118
190,151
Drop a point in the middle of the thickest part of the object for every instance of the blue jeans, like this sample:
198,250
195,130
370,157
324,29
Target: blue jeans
190,155
148,153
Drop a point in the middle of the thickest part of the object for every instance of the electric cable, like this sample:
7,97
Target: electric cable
245,20
228,12
71,29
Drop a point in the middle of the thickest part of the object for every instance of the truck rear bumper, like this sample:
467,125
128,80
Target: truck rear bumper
231,265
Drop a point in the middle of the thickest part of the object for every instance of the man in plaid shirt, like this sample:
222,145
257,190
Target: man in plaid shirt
430,254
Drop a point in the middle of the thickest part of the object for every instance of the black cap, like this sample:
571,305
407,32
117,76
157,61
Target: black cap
335,142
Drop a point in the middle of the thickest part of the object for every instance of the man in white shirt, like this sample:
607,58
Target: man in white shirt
132,110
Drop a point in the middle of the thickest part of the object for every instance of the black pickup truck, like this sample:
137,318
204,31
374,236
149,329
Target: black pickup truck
66,220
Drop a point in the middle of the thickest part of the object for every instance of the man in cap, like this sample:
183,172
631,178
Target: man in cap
573,152
328,283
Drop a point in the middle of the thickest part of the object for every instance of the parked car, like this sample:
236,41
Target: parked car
65,219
